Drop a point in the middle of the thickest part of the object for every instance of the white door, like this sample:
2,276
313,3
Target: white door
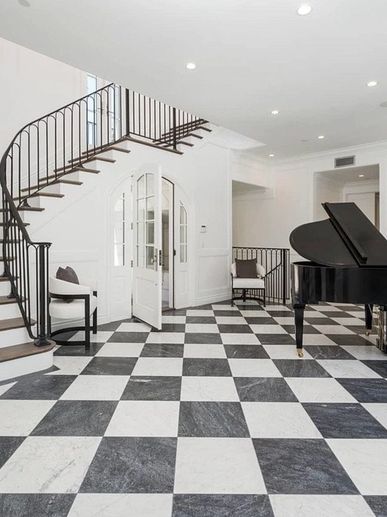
147,268
121,252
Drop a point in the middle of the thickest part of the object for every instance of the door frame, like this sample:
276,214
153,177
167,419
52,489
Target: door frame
172,243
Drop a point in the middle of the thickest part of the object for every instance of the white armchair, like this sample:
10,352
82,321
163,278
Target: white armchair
72,302
251,288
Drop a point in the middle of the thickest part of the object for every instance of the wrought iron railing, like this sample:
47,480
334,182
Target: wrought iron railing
55,145
276,262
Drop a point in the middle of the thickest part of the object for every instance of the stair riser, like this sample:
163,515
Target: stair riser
9,310
47,203
14,337
30,217
26,365
5,288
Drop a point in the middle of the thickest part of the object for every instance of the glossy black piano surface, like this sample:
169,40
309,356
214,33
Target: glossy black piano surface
348,263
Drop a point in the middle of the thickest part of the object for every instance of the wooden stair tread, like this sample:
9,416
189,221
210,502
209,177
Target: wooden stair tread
14,224
13,323
6,300
9,353
30,208
60,179
151,144
4,279
75,168
101,158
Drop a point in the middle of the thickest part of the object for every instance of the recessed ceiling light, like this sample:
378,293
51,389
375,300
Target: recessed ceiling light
275,112
304,9
361,175
271,155
24,3
190,66
371,84
321,137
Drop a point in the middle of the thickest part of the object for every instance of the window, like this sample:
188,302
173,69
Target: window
145,201
119,231
183,235
91,111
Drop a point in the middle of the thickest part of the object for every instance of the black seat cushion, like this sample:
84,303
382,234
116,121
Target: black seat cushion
246,268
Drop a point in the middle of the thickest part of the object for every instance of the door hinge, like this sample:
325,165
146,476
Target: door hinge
131,226
131,263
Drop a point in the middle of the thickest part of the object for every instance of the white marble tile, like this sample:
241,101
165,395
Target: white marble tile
217,389
281,308
349,321
357,314
267,329
173,319
166,337
255,314
325,308
365,462
122,505
332,329
284,352
96,387
309,389
320,506
100,337
69,365
45,464
366,352
378,411
341,368
278,420
217,465
204,351
211,328
234,320
5,387
20,417
239,339
314,314
316,339
208,313
134,327
286,320
168,366
120,350
253,368
144,418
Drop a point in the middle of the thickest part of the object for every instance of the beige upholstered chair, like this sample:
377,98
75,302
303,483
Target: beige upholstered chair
248,288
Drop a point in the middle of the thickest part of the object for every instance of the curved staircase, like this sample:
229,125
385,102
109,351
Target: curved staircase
46,156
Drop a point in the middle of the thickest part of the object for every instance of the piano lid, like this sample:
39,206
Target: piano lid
347,238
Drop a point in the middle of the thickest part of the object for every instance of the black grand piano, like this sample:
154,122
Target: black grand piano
348,264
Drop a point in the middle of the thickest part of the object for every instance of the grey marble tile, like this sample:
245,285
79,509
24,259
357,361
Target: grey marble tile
113,325
49,387
221,505
132,465
260,321
295,466
172,327
349,339
246,352
308,329
344,421
380,367
201,319
35,505
275,339
128,337
378,504
208,367
264,389
8,445
79,350
176,312
297,368
156,350
152,388
110,366
203,338
366,390
234,329
76,418
320,321
212,419
327,352
228,314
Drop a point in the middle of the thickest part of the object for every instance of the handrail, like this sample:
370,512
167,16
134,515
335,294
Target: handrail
54,145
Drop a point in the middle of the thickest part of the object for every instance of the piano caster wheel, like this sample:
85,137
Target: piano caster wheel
300,353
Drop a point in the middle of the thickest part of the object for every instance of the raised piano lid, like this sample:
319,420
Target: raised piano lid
347,238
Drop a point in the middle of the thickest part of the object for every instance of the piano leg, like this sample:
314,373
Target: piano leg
368,318
299,324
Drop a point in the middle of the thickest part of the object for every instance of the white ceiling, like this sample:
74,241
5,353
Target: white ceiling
252,56
351,174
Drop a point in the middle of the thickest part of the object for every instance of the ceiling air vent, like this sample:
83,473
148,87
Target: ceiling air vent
345,161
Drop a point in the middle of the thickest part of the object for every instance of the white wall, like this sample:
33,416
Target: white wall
269,221
31,86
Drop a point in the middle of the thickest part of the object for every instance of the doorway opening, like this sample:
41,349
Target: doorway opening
167,243
359,185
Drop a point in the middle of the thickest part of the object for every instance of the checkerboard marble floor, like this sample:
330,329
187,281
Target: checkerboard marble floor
213,416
